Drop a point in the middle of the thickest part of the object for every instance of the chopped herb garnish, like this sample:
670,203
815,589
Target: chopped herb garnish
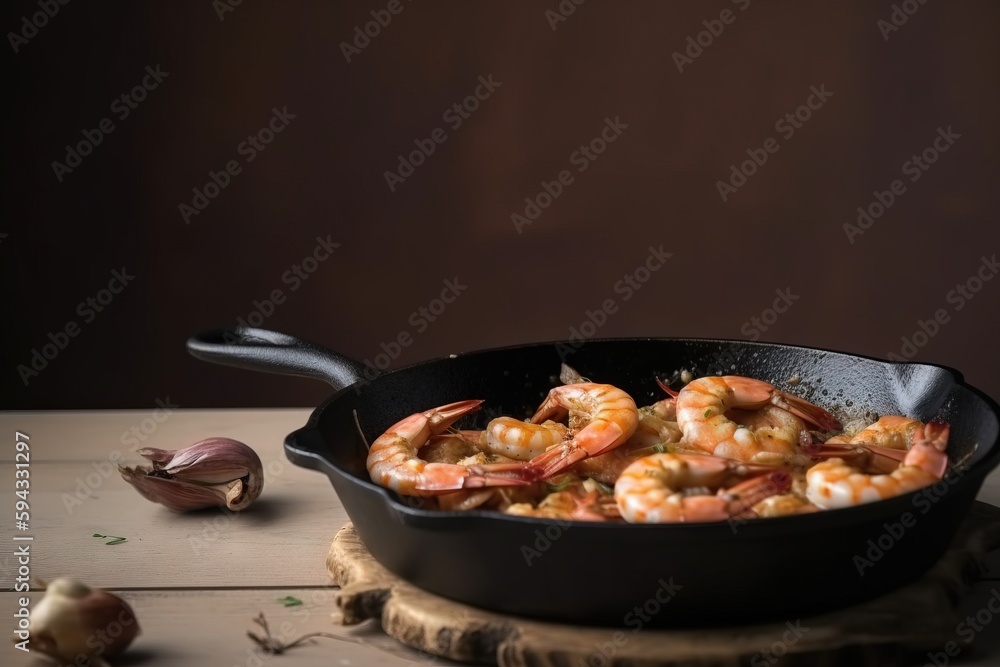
708,413
605,488
562,483
658,448
112,538
290,601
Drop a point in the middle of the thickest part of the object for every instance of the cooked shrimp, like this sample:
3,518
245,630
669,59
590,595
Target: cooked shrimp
653,430
605,467
570,504
522,440
701,415
651,490
782,436
462,448
784,505
602,417
890,431
835,483
466,499
448,448
665,409
879,447
653,435
394,463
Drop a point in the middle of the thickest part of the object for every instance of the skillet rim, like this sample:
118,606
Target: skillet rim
826,518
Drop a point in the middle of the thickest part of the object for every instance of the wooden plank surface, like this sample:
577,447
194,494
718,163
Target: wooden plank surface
194,628
195,607
293,521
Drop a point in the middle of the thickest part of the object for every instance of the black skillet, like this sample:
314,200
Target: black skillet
620,574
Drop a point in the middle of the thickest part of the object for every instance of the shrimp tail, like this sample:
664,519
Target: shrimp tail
583,446
930,440
807,412
469,436
869,457
554,461
746,494
518,473
749,394
665,387
439,419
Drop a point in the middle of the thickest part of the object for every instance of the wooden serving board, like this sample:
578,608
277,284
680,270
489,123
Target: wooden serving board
885,631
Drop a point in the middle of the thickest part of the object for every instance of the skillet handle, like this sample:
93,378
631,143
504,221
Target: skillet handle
273,352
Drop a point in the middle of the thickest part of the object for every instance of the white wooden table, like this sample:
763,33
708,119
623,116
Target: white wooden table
196,581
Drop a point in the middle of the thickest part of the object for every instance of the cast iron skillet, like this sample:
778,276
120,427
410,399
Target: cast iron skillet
632,575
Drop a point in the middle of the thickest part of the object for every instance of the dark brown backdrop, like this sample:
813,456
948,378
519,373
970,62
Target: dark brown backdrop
324,176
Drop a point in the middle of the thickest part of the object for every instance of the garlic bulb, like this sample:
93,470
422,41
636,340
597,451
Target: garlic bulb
210,473
73,622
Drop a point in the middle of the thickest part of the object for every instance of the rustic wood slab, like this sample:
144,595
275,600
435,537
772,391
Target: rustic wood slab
888,631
